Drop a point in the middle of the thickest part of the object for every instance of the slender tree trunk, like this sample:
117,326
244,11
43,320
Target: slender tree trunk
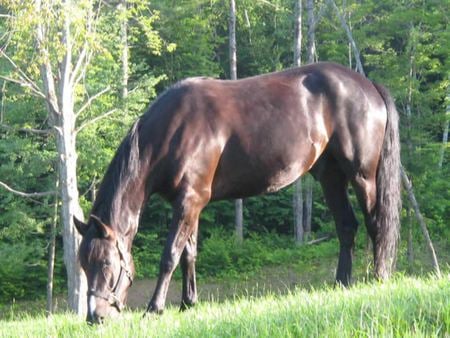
408,186
445,132
311,55
298,33
345,26
125,50
239,208
51,258
410,248
297,199
311,31
308,204
298,212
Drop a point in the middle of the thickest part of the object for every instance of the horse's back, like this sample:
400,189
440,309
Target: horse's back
259,134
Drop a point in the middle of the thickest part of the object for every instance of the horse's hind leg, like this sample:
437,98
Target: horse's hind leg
334,184
188,257
365,188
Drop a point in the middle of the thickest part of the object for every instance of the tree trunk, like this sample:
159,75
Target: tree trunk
311,31
410,248
60,106
298,33
239,207
311,52
445,132
70,207
308,207
298,211
297,199
122,9
359,66
51,258
408,186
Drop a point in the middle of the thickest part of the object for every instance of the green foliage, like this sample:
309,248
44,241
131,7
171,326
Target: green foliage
21,268
404,45
222,256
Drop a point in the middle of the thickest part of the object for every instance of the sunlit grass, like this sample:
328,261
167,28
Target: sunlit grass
399,308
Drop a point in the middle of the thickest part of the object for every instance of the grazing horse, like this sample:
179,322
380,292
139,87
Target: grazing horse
206,139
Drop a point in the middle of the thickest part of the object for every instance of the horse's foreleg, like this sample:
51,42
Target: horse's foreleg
334,184
183,226
189,296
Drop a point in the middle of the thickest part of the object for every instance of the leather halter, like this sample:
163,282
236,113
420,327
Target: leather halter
111,297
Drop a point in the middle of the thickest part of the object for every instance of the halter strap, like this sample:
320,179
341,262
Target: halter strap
111,297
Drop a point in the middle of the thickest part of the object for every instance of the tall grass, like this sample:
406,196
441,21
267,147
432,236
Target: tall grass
402,307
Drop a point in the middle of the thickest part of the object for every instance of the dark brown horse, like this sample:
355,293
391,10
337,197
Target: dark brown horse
207,139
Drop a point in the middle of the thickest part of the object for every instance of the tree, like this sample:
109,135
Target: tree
233,75
298,191
69,36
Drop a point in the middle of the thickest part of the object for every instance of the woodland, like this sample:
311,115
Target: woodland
74,76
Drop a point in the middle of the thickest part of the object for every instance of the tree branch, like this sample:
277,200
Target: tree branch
25,80
25,194
90,100
94,120
349,36
412,199
27,130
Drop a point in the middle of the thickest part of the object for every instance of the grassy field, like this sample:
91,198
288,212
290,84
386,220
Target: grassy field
402,307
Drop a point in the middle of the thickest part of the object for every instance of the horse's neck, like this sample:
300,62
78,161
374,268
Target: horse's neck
122,209
128,207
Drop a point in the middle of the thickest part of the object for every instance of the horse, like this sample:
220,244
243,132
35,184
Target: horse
207,139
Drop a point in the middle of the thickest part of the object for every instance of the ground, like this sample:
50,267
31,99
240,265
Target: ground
277,280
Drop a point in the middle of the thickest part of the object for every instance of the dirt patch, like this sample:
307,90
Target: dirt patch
271,280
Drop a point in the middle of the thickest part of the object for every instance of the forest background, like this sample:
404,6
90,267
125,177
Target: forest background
403,44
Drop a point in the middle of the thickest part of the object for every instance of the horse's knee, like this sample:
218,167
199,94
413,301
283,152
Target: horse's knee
167,265
347,236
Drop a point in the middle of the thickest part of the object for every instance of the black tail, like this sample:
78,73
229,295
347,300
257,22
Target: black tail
388,192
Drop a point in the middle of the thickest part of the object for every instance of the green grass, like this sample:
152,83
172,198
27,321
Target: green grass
402,307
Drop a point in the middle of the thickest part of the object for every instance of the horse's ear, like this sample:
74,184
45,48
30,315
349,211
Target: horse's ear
81,226
104,230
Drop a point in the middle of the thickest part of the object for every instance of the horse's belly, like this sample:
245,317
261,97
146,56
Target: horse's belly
284,176
250,179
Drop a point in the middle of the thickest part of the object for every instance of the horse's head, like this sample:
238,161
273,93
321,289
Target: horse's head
108,266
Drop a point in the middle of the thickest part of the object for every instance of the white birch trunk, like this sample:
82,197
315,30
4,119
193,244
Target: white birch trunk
298,212
311,31
59,94
297,199
238,204
445,132
311,52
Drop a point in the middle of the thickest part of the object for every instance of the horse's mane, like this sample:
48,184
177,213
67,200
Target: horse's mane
123,168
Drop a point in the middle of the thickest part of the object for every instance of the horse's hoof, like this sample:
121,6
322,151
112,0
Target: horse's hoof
186,306
152,310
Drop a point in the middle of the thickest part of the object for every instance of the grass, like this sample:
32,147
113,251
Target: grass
402,307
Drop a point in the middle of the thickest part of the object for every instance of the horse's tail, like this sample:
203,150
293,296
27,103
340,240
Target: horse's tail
389,201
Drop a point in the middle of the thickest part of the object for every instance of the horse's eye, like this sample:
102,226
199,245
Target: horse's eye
107,262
